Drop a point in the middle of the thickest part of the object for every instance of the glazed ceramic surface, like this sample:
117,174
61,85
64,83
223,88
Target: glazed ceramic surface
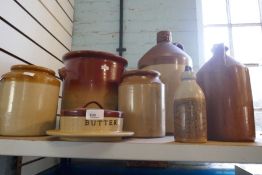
91,76
190,122
170,61
76,121
80,124
90,136
227,89
28,101
141,98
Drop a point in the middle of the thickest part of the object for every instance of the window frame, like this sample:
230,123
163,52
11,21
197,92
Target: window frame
229,25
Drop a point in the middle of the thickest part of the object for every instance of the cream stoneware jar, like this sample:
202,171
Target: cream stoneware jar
141,98
77,120
28,101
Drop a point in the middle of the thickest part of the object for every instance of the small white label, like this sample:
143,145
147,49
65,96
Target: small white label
29,74
94,114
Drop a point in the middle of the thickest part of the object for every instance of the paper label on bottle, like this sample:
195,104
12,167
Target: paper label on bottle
94,114
29,74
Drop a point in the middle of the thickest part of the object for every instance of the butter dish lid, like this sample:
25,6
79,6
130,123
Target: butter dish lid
81,112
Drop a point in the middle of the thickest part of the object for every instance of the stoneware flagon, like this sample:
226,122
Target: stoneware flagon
226,85
28,101
91,76
170,61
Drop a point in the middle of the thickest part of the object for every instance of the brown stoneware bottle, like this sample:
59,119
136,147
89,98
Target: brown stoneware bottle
226,85
91,76
170,60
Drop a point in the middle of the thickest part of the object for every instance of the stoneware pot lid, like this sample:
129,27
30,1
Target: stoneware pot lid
141,73
81,112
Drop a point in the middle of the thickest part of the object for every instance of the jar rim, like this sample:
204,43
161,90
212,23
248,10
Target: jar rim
141,73
96,54
33,67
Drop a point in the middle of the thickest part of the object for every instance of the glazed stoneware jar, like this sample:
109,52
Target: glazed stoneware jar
91,76
170,61
141,98
226,85
28,101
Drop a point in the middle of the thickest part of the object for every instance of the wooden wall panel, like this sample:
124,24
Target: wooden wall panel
15,15
67,8
40,33
14,42
6,61
72,2
38,166
45,19
58,14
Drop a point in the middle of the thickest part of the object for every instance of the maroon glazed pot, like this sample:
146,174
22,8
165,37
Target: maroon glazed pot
91,76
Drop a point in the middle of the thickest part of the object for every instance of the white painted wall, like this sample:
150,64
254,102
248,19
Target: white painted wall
96,25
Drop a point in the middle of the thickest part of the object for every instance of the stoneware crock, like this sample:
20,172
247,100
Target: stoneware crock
28,101
91,76
170,60
226,85
75,121
141,98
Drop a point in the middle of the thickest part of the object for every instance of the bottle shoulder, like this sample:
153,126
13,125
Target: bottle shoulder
189,89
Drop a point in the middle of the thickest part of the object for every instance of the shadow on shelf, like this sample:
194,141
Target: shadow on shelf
97,167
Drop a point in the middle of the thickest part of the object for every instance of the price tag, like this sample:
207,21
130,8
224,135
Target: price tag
94,114
29,74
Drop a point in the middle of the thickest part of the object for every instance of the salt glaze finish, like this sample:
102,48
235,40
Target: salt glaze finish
170,61
226,85
91,76
190,110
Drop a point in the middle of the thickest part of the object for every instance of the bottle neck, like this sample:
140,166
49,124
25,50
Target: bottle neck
164,36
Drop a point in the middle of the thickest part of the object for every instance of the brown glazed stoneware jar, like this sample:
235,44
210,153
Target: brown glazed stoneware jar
28,101
226,85
170,61
91,76
141,98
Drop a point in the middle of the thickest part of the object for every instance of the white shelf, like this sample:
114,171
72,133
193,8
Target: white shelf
163,149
